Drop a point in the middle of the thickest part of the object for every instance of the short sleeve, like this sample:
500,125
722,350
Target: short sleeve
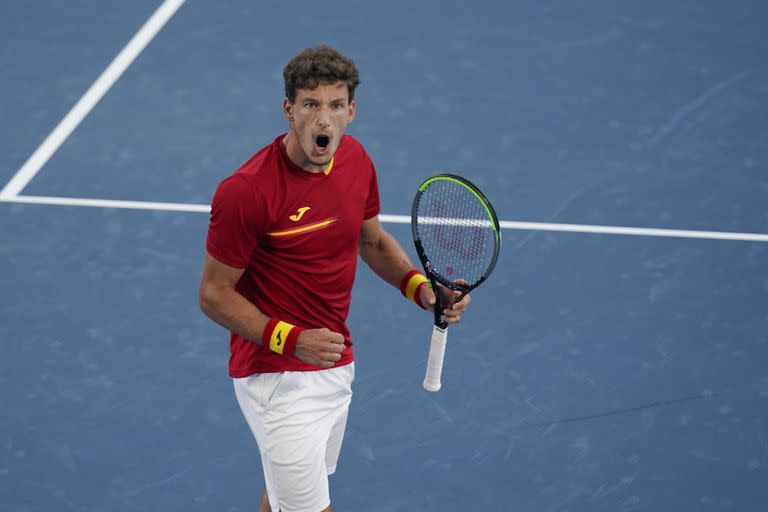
372,203
238,221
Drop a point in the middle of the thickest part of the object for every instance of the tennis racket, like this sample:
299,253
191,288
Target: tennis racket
457,237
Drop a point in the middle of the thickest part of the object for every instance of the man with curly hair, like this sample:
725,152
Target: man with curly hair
283,239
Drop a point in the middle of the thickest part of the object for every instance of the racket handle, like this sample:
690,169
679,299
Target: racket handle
435,360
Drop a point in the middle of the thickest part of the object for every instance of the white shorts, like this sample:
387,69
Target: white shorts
298,420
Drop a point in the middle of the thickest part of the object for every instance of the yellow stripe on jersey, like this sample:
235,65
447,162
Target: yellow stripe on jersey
330,166
304,229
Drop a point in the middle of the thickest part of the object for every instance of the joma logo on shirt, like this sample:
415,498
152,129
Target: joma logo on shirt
299,213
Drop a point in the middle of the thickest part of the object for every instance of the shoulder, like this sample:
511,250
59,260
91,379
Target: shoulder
353,147
265,162
257,174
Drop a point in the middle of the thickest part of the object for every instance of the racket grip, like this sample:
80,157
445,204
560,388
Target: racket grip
435,360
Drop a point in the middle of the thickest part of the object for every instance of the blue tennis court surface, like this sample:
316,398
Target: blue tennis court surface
592,373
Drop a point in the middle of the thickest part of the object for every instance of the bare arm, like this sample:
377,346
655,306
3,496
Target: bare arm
223,304
381,252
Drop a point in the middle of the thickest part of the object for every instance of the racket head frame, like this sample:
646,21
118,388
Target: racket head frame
432,274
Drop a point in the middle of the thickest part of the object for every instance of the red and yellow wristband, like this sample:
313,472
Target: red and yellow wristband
411,285
280,336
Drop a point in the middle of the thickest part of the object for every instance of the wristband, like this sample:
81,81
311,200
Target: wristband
280,336
411,284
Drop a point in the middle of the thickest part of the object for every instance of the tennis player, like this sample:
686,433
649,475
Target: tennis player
284,235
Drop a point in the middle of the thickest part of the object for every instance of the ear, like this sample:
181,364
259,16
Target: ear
288,109
351,109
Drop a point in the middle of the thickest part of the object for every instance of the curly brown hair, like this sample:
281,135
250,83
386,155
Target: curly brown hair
319,65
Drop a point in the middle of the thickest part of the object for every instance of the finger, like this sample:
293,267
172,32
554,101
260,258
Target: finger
335,348
462,304
455,293
447,296
427,296
331,356
452,319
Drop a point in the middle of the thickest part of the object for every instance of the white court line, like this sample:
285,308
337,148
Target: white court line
89,100
10,193
405,219
110,203
619,230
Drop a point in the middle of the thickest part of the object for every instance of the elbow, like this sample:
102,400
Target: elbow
206,298
364,249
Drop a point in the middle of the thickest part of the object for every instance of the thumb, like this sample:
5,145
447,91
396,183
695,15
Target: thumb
430,296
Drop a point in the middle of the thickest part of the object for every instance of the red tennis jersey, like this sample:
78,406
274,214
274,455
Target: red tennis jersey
295,233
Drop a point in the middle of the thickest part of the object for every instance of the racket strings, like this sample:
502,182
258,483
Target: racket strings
456,232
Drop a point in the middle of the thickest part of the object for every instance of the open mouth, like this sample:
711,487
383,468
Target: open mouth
322,141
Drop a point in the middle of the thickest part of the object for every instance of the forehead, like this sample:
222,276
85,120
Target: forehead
325,92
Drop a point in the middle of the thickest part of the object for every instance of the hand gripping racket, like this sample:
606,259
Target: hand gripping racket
457,237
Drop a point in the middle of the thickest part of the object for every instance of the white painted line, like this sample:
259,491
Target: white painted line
395,219
618,230
405,219
110,203
89,100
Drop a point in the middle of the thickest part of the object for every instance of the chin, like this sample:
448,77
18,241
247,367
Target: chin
323,159
322,163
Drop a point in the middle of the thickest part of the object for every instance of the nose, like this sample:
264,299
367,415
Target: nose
323,118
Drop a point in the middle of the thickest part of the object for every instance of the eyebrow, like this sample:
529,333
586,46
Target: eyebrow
336,100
